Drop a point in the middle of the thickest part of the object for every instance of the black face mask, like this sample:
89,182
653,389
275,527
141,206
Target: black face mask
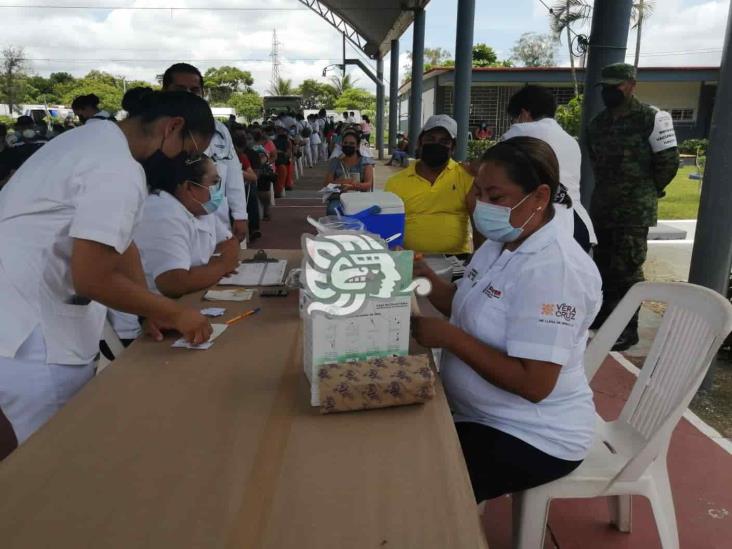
162,172
435,155
349,150
612,97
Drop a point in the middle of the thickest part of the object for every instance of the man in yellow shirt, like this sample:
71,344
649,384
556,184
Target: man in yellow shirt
437,193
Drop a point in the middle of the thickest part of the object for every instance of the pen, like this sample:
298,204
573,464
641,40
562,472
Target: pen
242,316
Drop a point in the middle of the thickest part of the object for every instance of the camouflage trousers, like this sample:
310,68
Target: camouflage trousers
619,256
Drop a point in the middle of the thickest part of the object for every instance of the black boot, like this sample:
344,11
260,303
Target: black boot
629,335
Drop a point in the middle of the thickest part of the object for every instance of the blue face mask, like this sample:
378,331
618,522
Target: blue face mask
215,197
494,222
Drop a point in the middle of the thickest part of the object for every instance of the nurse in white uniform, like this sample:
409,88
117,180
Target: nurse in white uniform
177,238
86,107
66,251
514,343
233,210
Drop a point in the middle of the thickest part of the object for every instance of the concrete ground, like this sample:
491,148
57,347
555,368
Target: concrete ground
700,467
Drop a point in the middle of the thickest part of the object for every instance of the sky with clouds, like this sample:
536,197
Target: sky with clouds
138,42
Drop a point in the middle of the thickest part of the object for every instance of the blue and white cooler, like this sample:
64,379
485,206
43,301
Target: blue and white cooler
381,212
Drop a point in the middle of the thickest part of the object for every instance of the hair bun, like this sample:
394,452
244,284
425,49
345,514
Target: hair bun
136,100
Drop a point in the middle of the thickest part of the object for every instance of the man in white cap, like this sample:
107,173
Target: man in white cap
436,192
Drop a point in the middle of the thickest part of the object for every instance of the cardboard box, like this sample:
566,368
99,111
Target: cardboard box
380,329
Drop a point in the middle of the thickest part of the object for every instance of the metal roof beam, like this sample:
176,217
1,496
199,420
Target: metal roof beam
337,22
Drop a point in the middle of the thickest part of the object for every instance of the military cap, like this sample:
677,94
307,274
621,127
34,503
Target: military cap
617,73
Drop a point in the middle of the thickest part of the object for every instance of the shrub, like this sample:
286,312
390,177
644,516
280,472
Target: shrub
691,146
477,148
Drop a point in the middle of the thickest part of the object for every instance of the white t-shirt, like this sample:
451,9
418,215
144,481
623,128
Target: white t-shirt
169,237
83,184
222,151
569,156
535,303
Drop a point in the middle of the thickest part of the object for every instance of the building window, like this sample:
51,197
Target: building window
682,115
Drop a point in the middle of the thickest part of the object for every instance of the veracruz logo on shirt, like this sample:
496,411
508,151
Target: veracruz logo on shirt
564,312
492,292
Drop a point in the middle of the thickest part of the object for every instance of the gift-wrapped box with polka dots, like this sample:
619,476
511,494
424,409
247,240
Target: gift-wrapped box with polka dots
375,383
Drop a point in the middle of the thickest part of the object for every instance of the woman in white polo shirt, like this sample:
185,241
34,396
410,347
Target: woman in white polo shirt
177,237
66,251
518,327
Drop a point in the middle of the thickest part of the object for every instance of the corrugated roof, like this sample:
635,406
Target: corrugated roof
377,21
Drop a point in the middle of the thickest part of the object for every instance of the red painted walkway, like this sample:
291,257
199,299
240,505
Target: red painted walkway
700,470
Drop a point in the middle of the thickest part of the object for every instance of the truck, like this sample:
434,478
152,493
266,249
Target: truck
275,104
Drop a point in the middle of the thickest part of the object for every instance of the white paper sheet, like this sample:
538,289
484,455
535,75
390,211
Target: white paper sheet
218,329
213,311
257,274
234,294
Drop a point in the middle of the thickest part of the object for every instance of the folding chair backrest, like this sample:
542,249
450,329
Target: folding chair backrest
694,326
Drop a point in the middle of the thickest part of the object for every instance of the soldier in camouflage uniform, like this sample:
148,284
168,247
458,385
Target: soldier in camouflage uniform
634,157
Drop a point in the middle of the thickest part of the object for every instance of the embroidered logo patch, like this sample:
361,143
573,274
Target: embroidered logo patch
491,292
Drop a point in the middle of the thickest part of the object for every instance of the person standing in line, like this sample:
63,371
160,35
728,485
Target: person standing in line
233,210
66,250
634,156
86,107
366,129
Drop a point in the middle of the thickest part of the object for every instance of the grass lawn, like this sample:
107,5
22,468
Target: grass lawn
682,197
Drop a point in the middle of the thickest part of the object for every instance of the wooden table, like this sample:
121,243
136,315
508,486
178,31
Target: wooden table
172,448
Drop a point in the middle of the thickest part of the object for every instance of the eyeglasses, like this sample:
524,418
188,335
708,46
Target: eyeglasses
216,187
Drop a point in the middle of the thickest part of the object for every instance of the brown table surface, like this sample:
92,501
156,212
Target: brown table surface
220,448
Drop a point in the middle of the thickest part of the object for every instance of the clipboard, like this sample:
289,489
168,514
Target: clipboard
261,270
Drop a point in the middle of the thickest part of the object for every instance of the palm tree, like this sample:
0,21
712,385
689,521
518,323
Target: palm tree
281,87
565,13
341,84
641,10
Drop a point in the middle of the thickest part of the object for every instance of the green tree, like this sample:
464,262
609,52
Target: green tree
437,56
356,99
566,13
535,50
281,87
107,87
569,116
316,95
247,104
484,56
222,82
341,84
13,78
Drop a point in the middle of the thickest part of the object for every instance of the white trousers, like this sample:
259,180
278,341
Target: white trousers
315,153
31,391
307,152
324,151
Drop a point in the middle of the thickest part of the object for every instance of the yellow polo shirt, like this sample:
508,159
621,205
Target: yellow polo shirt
437,217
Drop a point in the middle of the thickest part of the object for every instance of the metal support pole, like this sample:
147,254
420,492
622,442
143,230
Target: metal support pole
393,95
608,40
380,107
415,95
711,256
463,73
344,55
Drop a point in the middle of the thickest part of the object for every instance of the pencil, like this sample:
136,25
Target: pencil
242,316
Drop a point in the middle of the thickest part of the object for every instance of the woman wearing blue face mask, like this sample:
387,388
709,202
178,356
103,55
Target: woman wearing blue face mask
177,237
513,363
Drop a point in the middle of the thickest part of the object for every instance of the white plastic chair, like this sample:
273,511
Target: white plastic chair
628,456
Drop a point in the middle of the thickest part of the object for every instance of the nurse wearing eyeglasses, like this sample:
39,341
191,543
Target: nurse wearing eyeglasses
518,325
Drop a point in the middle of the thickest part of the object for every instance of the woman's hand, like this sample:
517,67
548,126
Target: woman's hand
229,250
421,269
431,332
191,324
